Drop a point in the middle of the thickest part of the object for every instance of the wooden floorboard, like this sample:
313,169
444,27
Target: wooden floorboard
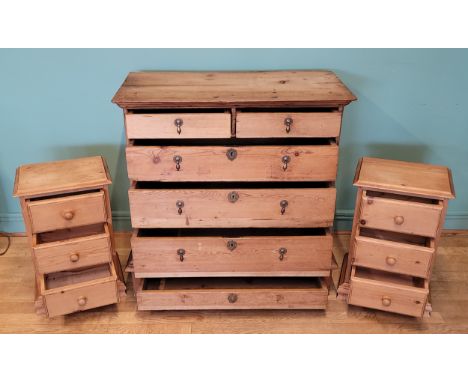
449,300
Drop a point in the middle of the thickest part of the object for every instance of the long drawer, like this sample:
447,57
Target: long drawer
221,163
204,208
231,293
178,125
287,124
201,256
387,291
72,248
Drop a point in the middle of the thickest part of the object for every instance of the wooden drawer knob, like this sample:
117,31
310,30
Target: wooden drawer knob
386,301
232,298
68,215
390,260
74,257
399,220
82,301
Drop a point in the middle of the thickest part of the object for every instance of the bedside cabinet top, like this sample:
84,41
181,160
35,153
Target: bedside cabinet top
41,179
146,90
416,179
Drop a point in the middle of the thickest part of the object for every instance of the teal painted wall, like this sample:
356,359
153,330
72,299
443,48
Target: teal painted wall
55,104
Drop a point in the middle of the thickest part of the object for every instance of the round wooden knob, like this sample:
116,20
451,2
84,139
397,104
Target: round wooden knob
386,301
74,257
232,298
399,220
82,301
68,215
390,260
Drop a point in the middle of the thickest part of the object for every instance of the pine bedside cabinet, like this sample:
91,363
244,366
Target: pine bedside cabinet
68,221
399,215
232,194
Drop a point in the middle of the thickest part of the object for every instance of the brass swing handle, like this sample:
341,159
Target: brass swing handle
282,251
288,123
178,160
283,205
285,159
178,122
181,254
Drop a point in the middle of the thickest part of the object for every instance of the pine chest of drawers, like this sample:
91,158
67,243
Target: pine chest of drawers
400,211
68,221
232,195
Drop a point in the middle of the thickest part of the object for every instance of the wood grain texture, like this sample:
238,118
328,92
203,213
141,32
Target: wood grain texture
194,125
448,284
272,125
67,211
252,256
418,179
253,163
143,90
418,218
39,179
204,208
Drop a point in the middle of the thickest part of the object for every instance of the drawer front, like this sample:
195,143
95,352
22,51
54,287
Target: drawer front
393,257
369,294
72,254
185,125
241,208
275,125
67,212
233,298
401,216
240,256
246,163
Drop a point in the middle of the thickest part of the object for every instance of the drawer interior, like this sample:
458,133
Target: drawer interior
236,283
70,233
151,185
406,198
233,142
389,278
231,232
63,195
397,237
69,278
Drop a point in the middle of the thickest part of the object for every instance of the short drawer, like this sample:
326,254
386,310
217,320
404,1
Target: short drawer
68,292
284,124
66,212
387,291
392,252
238,207
183,125
231,293
244,163
72,248
400,214
202,256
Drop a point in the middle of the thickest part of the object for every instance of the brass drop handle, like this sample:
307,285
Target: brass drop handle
179,122
390,260
231,245
82,300
74,257
285,159
386,301
282,251
288,123
179,205
399,220
232,298
68,215
181,253
283,205
178,161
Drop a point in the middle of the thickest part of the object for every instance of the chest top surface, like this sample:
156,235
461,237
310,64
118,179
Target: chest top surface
61,176
417,179
145,90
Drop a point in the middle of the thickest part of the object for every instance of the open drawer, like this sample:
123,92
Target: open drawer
231,293
387,291
68,292
72,248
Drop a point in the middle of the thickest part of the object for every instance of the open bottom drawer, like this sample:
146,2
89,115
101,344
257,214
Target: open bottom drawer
68,292
387,291
231,293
